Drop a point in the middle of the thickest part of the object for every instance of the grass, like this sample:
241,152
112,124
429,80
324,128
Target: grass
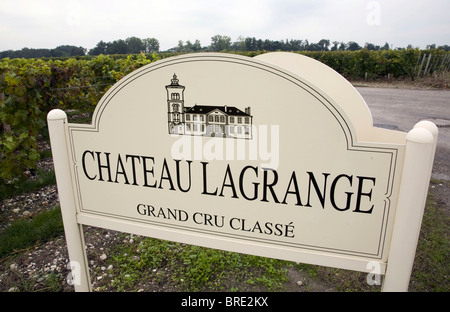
43,178
160,264
431,267
25,233
9,189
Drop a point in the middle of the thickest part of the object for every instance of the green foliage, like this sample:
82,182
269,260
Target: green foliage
355,64
30,88
25,233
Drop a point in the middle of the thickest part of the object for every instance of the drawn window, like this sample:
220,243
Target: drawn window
175,107
247,120
216,119
222,118
188,117
239,119
175,96
210,118
231,119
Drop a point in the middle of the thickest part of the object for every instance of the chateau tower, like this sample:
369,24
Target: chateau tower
175,106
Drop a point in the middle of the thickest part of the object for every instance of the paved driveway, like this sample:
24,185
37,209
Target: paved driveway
401,109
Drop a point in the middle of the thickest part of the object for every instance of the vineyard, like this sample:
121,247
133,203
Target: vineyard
30,88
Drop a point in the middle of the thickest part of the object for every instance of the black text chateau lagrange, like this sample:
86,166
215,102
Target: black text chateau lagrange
343,192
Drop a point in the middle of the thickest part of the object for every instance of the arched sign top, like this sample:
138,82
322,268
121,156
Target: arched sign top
321,82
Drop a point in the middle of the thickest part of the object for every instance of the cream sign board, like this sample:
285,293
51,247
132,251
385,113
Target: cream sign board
274,156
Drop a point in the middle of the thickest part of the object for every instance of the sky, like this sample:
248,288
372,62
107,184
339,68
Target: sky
50,23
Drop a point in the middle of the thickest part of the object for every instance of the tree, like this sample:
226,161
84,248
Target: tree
134,45
250,44
294,45
35,53
188,47
117,47
342,46
151,45
324,44
197,46
67,51
353,46
100,48
371,47
385,47
181,47
335,46
239,45
220,43
313,47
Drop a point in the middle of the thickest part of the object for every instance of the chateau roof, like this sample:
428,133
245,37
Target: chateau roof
206,109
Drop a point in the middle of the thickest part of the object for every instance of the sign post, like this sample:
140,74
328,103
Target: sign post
57,127
274,156
417,167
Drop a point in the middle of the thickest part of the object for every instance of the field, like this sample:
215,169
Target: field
33,254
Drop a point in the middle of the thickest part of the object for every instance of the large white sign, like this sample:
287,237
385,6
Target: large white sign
273,156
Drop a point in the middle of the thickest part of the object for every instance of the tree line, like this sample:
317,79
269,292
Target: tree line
60,51
134,45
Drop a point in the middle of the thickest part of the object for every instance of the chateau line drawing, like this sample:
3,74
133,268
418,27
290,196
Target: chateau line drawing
205,120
